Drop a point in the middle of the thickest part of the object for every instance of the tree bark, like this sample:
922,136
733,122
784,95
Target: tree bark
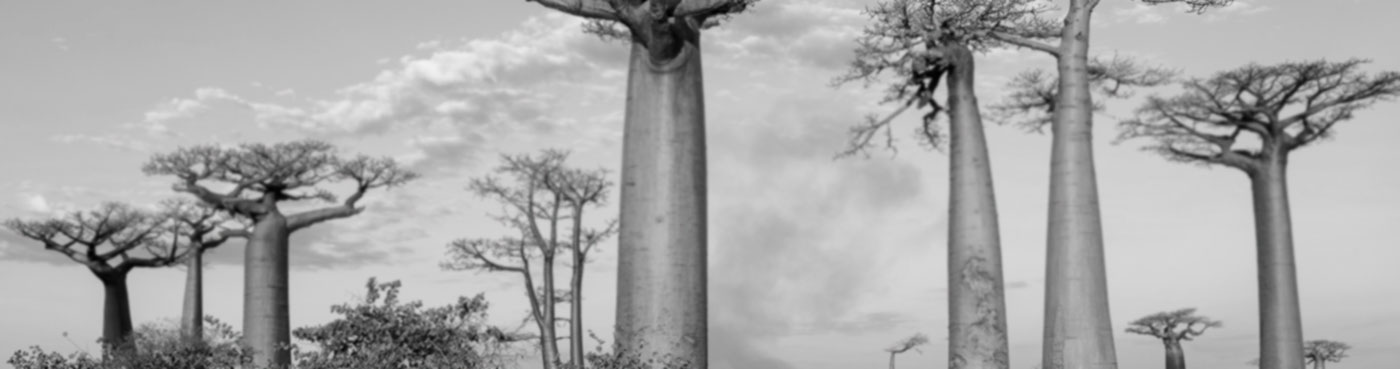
192,317
266,321
1280,317
116,311
548,327
1176,358
976,304
576,359
891,360
661,298
1078,329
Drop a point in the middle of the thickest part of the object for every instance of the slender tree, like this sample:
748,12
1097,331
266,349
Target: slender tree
1078,329
1283,107
1320,352
194,225
541,197
1172,328
661,294
908,38
581,190
110,241
260,177
904,345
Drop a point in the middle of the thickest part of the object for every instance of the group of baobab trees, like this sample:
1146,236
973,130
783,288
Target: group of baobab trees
661,295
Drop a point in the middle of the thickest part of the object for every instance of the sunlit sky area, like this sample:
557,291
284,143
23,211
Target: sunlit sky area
815,263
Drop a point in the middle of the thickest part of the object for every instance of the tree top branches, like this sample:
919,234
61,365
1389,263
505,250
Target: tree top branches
261,175
115,237
1286,106
1179,325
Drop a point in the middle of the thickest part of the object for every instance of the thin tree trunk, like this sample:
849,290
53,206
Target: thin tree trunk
192,317
266,322
1176,358
891,360
661,298
537,312
549,331
576,359
116,311
1280,317
1078,329
976,305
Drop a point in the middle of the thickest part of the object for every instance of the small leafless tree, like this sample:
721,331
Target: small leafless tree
1320,352
911,343
1173,327
110,241
1252,119
540,196
258,178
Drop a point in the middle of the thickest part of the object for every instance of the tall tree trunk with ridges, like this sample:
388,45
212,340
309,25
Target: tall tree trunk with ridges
1176,357
976,304
661,298
192,316
1078,328
1280,318
266,321
116,311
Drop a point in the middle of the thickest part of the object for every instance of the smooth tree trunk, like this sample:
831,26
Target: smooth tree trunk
661,281
576,357
549,331
891,360
1280,317
192,316
976,304
116,311
1078,330
266,321
1176,358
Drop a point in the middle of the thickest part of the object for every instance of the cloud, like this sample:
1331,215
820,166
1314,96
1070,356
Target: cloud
61,43
1237,8
117,141
816,33
38,203
1140,13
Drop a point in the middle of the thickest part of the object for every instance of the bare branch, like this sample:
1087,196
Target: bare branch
593,9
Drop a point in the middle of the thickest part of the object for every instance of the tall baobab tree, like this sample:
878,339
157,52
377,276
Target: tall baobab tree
544,196
1172,328
661,294
911,40
1284,107
110,241
260,177
1320,352
904,345
198,227
1078,329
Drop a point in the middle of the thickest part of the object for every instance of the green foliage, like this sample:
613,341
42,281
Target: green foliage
159,346
381,333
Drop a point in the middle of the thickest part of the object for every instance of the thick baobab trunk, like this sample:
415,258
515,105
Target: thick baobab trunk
1176,358
976,306
192,317
661,297
266,322
116,311
1280,318
576,286
1078,329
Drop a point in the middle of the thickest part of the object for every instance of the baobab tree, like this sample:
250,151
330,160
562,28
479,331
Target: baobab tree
1078,329
199,227
260,177
1172,328
542,196
914,41
110,241
904,345
661,294
1320,352
1282,107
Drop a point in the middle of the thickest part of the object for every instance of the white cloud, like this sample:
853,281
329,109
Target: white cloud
120,142
1140,13
37,203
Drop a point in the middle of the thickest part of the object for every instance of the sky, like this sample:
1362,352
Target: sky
814,262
